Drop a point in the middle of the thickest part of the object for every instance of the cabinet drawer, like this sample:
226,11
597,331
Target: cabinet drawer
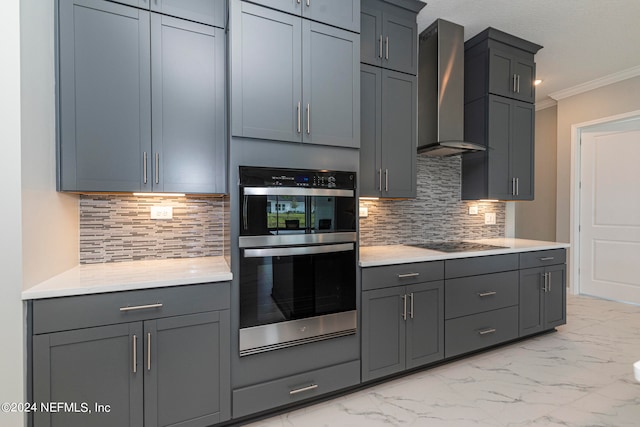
401,274
83,311
269,395
476,294
542,258
462,267
477,331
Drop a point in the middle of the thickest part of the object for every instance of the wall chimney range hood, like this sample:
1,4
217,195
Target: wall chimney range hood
441,91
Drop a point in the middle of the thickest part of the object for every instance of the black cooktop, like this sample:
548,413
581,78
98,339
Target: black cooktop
456,246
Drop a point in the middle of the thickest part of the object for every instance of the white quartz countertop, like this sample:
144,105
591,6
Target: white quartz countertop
123,276
371,256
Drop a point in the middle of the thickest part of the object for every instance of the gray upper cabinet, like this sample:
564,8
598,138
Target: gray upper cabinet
108,55
389,36
209,12
306,90
389,133
338,13
164,371
188,108
505,170
511,76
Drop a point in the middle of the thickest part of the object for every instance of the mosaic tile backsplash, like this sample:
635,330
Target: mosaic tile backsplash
119,228
437,213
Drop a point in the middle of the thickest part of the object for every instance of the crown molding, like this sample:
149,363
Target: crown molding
597,83
545,103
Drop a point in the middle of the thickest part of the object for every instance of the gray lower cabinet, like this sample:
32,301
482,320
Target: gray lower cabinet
163,371
505,170
402,328
293,79
389,133
113,61
389,35
542,298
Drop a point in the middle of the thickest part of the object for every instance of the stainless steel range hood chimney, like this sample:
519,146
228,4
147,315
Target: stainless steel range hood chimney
441,91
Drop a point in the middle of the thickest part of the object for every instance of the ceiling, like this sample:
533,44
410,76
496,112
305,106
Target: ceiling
584,40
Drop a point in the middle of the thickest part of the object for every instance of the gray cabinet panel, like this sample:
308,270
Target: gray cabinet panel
370,130
340,13
475,294
189,147
521,150
269,395
526,72
93,365
401,274
184,383
480,265
400,44
371,40
210,12
104,96
542,258
383,332
425,324
499,137
477,331
331,85
531,300
501,78
142,4
399,134
266,72
555,303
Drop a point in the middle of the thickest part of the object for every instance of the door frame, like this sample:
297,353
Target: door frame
598,125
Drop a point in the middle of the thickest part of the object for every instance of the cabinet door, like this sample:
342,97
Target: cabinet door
95,365
371,40
266,73
521,149
210,12
531,300
189,147
399,134
501,76
425,323
526,74
290,6
400,48
186,367
104,96
370,130
383,332
500,181
340,13
555,303
331,86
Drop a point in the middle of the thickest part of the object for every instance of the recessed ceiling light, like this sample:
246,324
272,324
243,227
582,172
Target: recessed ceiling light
537,82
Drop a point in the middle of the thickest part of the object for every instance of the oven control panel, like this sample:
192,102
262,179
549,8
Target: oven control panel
269,177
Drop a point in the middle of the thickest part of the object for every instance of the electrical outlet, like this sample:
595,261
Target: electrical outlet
161,212
490,218
364,211
473,210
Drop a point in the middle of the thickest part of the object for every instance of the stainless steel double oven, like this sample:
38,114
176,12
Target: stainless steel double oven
297,257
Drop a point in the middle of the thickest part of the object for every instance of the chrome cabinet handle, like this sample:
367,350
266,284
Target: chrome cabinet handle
303,389
411,307
308,119
144,167
401,276
148,351
514,83
308,3
486,294
404,310
518,181
518,85
157,168
513,186
299,119
386,180
135,354
387,49
549,282
380,50
141,307
546,280
380,179
546,258
487,331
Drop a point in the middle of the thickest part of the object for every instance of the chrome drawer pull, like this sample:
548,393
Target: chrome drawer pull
487,331
487,294
402,276
546,258
303,389
141,307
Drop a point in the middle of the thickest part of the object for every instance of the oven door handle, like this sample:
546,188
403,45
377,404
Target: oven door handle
298,250
297,191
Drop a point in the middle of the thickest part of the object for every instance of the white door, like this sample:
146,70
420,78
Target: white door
610,213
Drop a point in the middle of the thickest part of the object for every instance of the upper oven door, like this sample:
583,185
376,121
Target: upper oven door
296,215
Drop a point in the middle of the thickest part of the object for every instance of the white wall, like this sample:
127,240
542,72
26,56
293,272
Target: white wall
11,312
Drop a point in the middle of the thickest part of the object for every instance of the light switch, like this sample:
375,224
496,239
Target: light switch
161,212
490,218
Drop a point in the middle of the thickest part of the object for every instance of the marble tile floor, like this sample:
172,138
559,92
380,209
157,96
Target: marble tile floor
581,375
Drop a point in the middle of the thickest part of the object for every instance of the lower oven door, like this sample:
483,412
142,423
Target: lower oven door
298,294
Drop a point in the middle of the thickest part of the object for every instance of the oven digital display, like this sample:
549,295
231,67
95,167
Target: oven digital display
302,179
